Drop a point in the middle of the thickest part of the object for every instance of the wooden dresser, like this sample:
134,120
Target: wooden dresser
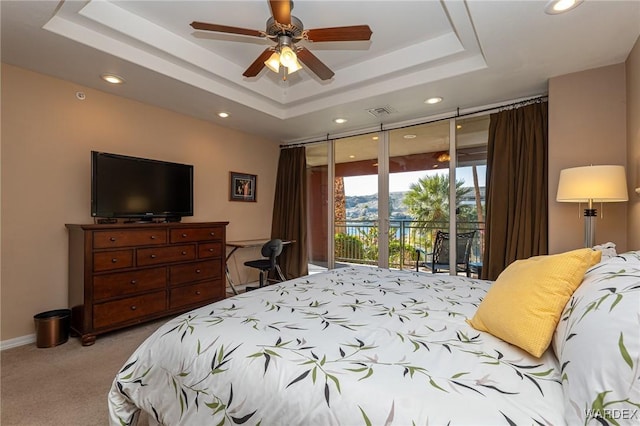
126,274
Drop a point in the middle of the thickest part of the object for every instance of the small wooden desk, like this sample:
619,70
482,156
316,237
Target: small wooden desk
235,245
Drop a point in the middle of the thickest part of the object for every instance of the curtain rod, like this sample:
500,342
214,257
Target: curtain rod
448,116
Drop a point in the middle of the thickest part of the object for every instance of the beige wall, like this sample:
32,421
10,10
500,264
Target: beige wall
47,135
587,125
633,145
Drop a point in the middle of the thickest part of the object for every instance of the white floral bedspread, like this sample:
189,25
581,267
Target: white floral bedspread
352,346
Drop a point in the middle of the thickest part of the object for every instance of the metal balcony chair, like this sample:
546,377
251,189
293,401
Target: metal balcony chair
269,263
438,260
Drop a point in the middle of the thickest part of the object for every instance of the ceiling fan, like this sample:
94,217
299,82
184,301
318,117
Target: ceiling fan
286,30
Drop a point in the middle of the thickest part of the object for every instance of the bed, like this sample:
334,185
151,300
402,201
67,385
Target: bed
371,346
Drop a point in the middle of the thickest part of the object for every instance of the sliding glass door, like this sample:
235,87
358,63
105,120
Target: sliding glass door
357,232
380,198
471,166
319,202
418,191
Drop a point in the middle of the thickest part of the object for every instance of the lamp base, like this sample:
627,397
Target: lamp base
590,227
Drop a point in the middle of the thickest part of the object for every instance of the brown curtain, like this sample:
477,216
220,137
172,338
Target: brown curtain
290,211
517,176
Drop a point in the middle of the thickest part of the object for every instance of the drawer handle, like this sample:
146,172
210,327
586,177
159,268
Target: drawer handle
210,250
212,233
197,292
112,239
197,271
134,282
184,253
153,256
114,260
184,235
153,237
134,307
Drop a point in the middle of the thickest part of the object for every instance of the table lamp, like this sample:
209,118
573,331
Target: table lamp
592,184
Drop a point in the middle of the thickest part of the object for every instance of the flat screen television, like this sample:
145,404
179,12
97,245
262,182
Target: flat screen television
140,189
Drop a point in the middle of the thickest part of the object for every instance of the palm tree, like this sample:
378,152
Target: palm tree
428,199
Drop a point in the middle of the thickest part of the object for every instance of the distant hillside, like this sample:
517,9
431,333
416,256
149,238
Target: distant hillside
365,207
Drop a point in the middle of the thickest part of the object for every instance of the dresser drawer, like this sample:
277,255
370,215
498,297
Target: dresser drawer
109,313
209,250
196,294
214,233
110,260
127,283
195,271
125,238
157,255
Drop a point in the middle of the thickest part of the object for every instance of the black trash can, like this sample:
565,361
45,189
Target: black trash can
52,327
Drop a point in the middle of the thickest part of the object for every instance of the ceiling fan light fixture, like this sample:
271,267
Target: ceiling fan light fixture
288,57
443,157
295,66
273,63
283,56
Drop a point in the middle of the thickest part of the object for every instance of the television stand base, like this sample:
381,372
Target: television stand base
106,221
172,219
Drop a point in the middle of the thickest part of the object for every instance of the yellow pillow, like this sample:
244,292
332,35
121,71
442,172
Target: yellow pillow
524,304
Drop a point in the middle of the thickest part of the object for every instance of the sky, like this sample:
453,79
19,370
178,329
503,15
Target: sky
399,182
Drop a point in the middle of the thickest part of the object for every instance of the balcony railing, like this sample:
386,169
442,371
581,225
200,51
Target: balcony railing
356,241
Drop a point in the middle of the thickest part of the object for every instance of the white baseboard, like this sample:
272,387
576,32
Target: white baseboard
18,341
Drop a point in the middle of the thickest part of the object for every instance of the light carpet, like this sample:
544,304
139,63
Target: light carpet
66,384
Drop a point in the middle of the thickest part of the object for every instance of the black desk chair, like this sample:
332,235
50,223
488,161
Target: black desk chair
438,260
270,252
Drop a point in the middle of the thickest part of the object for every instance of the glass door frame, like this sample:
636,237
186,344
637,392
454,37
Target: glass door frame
331,205
383,197
453,219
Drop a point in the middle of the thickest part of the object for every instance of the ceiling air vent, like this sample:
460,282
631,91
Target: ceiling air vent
382,111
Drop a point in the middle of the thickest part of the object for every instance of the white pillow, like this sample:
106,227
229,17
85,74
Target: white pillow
608,250
597,342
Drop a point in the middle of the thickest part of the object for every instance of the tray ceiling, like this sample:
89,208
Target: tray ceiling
470,53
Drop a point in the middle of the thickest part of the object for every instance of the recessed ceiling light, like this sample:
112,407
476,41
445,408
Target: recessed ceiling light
340,120
112,78
458,126
409,136
555,7
434,100
375,138
352,156
223,114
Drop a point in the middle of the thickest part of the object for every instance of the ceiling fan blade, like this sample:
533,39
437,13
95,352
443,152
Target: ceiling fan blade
352,33
314,64
258,64
225,29
281,11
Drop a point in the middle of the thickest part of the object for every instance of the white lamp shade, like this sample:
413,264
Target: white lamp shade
601,184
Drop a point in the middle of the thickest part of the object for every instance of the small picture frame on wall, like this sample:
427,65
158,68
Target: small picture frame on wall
242,187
